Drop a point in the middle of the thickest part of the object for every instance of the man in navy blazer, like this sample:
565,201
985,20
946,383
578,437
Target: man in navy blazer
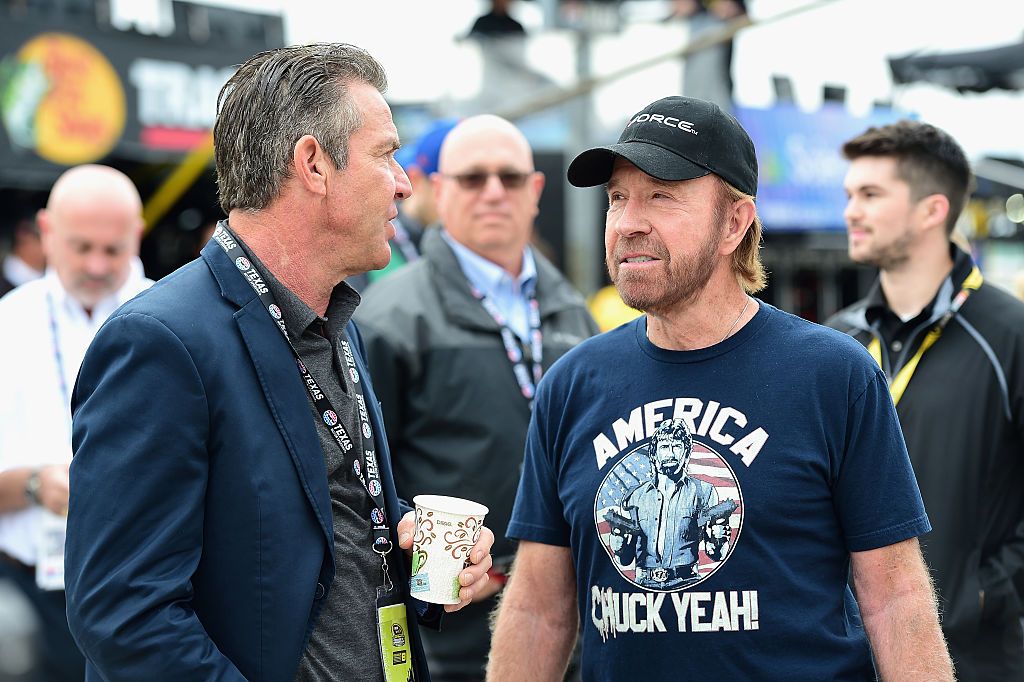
221,525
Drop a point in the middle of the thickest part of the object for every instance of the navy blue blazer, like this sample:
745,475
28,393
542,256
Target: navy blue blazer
200,541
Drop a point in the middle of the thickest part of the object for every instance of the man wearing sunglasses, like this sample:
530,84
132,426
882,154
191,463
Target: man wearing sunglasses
457,341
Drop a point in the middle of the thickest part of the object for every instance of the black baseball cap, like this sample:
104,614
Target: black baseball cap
676,138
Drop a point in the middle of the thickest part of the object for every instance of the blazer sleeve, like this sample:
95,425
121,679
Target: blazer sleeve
135,522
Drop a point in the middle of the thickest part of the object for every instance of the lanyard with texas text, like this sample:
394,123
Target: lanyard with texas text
899,383
527,380
367,471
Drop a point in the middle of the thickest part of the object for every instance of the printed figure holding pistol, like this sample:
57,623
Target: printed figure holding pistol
664,520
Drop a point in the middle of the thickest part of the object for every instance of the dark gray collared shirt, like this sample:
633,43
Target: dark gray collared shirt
343,645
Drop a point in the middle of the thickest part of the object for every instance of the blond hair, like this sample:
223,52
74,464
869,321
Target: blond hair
746,259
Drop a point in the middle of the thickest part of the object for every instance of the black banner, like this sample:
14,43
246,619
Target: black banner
72,93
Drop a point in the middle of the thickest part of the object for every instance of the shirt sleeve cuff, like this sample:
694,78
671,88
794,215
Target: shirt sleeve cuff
889,536
518,530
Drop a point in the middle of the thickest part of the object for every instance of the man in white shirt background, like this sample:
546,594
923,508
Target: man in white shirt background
90,231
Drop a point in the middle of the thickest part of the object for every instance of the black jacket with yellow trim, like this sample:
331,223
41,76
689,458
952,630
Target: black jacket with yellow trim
963,419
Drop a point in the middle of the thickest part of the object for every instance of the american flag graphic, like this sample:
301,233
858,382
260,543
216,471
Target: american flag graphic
636,468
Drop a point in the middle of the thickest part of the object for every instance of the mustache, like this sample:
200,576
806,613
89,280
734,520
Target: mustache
641,243
106,280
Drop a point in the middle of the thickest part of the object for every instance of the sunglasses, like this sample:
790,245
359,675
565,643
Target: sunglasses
477,179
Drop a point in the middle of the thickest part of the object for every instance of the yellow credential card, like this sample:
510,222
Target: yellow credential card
395,643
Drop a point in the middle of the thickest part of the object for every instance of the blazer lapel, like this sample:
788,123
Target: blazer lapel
279,379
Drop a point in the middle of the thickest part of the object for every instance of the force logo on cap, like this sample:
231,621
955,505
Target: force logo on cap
674,139
670,121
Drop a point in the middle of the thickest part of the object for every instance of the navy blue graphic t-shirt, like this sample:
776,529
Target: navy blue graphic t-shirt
711,499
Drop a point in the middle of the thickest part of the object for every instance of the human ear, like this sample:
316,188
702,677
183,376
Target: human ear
740,217
310,164
936,210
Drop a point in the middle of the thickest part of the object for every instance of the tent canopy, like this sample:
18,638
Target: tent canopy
978,71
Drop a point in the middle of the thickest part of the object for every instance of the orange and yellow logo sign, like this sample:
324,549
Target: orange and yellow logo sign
60,97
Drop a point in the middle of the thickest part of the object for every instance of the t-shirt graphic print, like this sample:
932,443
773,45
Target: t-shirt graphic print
669,512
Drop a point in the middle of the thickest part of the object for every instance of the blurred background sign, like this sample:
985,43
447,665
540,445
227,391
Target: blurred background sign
801,171
72,92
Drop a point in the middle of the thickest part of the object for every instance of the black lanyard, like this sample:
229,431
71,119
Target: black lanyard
527,381
367,470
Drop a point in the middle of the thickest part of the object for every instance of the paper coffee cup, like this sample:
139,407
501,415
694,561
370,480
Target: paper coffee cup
446,530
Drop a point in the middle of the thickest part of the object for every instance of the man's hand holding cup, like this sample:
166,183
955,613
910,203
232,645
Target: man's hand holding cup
450,549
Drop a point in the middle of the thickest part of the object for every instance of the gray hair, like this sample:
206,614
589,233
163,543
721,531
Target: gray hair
273,100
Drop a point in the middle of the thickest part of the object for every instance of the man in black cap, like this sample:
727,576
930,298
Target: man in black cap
792,430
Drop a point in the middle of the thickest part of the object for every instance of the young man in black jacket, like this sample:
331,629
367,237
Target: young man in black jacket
952,347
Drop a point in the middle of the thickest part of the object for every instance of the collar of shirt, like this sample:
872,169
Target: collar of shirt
895,331
510,294
299,317
68,307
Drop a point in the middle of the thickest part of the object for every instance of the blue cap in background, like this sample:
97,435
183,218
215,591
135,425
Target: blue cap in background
425,152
